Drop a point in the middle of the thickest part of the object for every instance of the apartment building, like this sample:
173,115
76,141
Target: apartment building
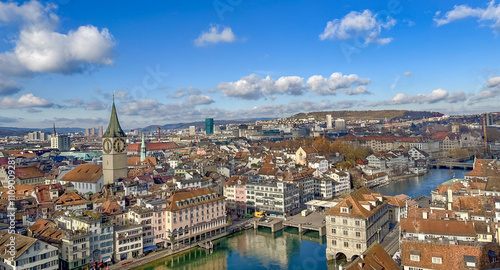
127,242
193,216
29,253
144,217
355,223
100,229
276,198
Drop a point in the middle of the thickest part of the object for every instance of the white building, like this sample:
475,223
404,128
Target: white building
328,121
28,253
340,124
101,233
86,178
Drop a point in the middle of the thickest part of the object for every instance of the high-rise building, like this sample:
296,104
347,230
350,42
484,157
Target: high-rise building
340,124
92,131
114,157
100,131
60,142
328,121
209,126
87,132
192,130
37,136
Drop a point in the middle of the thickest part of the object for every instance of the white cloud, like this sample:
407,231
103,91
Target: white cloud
199,100
435,96
214,35
255,87
47,51
40,49
489,15
350,84
25,101
492,90
407,73
181,92
363,25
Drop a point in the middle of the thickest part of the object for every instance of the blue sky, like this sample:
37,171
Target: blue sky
182,61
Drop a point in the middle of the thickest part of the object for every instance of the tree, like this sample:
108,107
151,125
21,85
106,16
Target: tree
229,219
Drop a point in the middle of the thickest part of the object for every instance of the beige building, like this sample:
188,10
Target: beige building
355,223
127,242
305,154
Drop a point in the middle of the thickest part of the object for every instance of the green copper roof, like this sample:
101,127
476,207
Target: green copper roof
114,130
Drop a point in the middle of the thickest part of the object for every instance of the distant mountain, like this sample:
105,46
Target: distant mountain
370,115
15,131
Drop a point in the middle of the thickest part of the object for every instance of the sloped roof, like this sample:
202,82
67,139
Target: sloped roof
184,195
28,172
22,244
114,129
438,227
355,202
375,258
152,146
87,173
70,198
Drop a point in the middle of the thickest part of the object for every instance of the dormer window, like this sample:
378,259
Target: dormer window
344,209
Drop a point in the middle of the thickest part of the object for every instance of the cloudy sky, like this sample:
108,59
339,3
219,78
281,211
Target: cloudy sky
181,61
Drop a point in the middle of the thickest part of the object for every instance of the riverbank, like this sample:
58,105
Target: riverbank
404,176
415,186
163,254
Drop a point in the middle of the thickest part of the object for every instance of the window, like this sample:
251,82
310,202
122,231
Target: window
346,232
415,258
358,246
333,220
334,231
334,242
346,244
357,222
437,260
358,234
344,221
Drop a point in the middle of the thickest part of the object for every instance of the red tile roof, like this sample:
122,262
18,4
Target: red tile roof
152,146
87,173
28,172
355,202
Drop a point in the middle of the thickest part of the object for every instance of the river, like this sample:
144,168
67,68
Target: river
255,250
420,185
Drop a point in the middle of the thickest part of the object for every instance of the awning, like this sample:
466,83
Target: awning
149,248
106,259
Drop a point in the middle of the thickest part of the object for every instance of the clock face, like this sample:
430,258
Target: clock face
106,146
119,145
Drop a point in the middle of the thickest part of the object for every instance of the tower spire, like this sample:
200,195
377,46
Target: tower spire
143,149
114,129
54,129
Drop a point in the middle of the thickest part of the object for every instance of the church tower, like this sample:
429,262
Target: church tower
114,157
143,150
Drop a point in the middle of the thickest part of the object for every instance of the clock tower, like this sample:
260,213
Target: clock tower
114,156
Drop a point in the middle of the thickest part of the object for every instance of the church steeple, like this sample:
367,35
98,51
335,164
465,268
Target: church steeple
143,149
114,130
54,130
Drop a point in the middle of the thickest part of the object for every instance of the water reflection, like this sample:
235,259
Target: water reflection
420,185
255,250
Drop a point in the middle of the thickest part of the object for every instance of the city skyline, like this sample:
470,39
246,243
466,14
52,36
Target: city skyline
183,62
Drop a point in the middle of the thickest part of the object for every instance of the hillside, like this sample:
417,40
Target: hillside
369,115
